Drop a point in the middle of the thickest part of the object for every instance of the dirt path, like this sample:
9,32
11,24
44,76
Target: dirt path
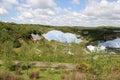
49,64
54,65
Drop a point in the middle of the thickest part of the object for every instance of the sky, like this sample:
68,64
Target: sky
89,13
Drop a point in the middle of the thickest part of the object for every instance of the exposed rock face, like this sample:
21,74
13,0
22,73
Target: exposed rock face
35,37
61,37
96,49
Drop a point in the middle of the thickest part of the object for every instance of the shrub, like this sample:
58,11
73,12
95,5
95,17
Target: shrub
74,76
13,67
18,71
64,74
16,44
34,75
77,76
6,76
114,75
117,66
9,76
82,67
23,66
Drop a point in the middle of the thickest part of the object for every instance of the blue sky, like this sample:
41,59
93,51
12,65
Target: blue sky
70,4
61,12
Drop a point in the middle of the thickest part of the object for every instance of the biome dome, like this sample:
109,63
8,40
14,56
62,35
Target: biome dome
61,37
111,43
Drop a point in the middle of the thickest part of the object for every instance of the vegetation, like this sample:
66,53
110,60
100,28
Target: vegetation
17,45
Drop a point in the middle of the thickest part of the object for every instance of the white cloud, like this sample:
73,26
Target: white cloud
43,4
29,15
104,11
76,1
3,11
8,3
95,14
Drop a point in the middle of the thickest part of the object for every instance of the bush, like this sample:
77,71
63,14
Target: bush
34,75
9,76
82,67
75,75
23,66
18,71
64,74
16,44
117,66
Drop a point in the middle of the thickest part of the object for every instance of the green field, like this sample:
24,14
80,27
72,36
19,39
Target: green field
16,45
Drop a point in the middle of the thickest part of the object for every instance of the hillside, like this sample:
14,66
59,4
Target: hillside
14,31
18,35
26,45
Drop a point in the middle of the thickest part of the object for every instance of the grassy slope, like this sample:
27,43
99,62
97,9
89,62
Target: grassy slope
15,39
26,50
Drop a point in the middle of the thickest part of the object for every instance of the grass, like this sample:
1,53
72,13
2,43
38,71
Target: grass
91,67
98,69
105,67
16,44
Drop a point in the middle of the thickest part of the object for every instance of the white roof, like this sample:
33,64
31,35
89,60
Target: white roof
112,43
61,37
